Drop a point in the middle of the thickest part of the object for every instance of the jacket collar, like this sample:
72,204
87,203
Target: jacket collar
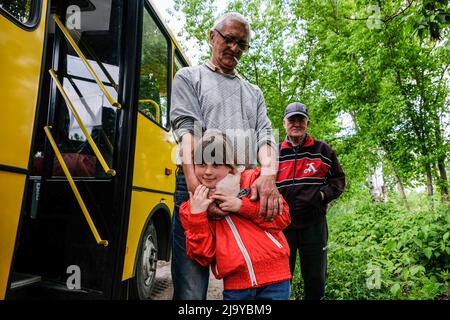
215,68
286,144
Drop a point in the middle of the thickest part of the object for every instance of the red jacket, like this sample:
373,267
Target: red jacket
243,249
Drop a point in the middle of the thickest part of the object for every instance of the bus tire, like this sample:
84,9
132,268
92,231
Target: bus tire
147,259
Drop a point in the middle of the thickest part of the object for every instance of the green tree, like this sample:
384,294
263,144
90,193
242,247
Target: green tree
19,9
359,59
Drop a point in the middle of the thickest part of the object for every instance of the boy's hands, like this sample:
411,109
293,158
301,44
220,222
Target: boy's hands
228,203
199,200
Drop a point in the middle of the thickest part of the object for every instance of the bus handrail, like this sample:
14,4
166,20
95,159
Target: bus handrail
91,142
95,57
85,61
91,224
102,131
156,105
108,142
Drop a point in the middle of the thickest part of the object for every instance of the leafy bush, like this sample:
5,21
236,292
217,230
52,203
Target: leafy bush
382,251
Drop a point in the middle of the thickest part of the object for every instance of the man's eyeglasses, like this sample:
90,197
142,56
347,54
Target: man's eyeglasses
230,41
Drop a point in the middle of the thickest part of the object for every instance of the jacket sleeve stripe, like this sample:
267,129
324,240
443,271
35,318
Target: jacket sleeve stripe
301,155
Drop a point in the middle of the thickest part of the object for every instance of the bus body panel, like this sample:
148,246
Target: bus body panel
151,161
155,149
142,204
20,66
11,191
20,69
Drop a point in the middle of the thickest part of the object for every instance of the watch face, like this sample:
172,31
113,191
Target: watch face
243,193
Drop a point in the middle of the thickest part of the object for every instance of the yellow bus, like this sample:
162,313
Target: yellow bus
87,175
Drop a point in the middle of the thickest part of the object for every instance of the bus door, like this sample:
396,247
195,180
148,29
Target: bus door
73,233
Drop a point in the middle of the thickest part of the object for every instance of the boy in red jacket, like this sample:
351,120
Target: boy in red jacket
249,253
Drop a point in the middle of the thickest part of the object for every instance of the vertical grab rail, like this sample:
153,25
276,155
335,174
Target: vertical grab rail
91,224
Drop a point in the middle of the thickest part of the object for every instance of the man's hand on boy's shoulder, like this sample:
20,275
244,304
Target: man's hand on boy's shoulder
271,204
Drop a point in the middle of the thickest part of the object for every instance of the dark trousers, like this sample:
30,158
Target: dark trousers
274,291
311,243
190,279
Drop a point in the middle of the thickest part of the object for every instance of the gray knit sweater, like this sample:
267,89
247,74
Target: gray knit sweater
204,99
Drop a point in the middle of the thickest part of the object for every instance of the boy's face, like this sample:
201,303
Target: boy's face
210,174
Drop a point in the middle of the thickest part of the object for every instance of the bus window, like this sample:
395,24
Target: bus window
178,64
19,10
153,79
99,40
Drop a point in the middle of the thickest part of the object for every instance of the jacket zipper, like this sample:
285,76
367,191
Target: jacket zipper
296,150
271,237
241,246
295,164
217,269
295,168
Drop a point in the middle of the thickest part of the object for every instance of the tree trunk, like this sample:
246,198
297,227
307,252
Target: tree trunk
429,182
401,189
443,180
429,185
377,188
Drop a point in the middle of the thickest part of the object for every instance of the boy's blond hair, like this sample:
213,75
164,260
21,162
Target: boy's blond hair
215,148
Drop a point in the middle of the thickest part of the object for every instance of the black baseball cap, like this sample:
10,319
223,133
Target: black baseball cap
296,108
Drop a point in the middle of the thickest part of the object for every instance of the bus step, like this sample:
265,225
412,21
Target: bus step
52,290
21,280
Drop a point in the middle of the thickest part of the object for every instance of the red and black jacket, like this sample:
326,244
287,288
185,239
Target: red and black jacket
303,172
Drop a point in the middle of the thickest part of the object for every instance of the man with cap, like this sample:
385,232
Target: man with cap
309,177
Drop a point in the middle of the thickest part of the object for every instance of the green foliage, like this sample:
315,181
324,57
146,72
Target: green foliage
356,60
434,16
153,61
19,9
409,250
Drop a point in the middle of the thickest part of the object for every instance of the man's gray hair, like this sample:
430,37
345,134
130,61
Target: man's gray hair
231,16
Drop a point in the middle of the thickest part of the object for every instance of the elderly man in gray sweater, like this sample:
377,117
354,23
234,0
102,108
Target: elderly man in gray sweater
214,96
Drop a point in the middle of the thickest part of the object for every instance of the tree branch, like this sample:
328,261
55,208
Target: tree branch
387,19
390,18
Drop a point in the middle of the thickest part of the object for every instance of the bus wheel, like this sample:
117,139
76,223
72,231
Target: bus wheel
146,264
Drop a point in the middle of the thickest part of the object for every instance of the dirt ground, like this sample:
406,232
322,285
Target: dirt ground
163,289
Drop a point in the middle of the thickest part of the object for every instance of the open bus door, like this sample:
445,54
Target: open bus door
72,237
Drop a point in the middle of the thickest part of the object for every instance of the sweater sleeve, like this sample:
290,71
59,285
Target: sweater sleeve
200,240
264,134
185,108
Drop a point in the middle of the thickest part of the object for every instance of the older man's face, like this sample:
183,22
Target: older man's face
223,54
296,126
